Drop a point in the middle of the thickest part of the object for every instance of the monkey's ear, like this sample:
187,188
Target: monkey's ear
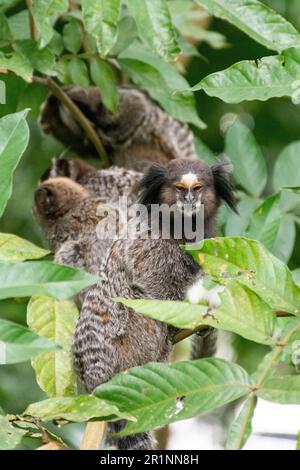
151,184
223,186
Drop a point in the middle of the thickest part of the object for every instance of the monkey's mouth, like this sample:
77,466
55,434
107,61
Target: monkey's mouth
189,209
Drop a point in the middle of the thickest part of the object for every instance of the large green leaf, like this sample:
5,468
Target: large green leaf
101,18
236,224
55,320
265,222
42,278
257,20
14,136
18,344
159,394
269,77
18,64
249,164
249,263
161,80
10,436
285,389
287,173
42,60
285,240
43,12
241,428
14,248
104,77
155,27
77,409
296,275
79,73
241,311
72,36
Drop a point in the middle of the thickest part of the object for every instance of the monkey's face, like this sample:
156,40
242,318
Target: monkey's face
189,186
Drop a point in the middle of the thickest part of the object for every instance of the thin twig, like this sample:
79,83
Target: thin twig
78,115
31,20
93,435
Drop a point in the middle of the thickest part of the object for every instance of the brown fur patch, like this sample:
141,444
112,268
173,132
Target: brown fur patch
116,251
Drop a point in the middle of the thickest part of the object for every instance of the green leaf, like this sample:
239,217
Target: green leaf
257,20
298,442
43,12
159,394
19,25
55,320
72,36
79,73
127,33
18,64
296,275
77,409
4,28
42,60
249,263
155,26
236,224
101,18
18,344
241,427
10,436
249,165
284,243
287,173
42,278
104,77
161,80
285,389
204,152
14,136
241,312
265,222
249,80
14,248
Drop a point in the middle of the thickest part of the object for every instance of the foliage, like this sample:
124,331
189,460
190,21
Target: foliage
106,42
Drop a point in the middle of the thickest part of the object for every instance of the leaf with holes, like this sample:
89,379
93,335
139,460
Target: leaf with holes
269,77
241,311
10,436
249,263
159,394
56,320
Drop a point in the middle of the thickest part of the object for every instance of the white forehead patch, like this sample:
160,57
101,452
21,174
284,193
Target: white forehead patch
189,179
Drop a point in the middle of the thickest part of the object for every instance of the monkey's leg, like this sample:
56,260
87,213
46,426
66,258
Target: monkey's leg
204,344
142,441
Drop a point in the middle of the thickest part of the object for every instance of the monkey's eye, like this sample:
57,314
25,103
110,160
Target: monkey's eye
198,187
179,187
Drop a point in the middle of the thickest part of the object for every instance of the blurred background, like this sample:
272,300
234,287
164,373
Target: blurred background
275,124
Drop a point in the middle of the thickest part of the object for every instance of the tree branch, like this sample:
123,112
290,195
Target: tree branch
31,20
93,435
78,115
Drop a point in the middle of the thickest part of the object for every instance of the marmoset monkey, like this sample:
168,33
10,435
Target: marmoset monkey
141,132
110,337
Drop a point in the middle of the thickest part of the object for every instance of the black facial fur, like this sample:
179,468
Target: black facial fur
151,185
223,185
